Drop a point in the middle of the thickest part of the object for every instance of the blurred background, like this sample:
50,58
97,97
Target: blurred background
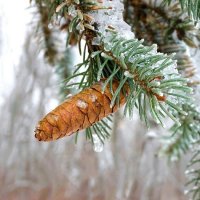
128,168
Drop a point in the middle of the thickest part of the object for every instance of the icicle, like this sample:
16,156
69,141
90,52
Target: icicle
97,144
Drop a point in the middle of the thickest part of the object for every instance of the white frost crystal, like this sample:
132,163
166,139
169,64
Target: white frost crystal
112,17
93,98
55,117
81,104
96,41
72,11
128,74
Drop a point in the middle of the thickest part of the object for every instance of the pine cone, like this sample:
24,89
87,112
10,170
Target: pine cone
79,112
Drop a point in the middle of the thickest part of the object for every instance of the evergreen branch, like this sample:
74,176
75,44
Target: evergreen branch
45,33
193,173
185,135
150,73
192,6
100,129
170,19
114,54
165,23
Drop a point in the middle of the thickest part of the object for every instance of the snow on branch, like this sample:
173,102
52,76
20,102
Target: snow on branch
114,54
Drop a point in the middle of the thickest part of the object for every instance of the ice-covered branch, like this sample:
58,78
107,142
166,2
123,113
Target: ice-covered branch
153,73
111,18
114,54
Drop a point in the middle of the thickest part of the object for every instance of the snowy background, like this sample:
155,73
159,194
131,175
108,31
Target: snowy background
128,168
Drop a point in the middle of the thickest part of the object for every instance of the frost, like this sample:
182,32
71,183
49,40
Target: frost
50,26
106,56
97,144
128,74
112,18
152,134
55,117
93,97
189,171
72,11
81,104
96,41
69,96
171,69
154,50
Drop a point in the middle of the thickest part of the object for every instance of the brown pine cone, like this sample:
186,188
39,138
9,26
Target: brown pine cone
78,112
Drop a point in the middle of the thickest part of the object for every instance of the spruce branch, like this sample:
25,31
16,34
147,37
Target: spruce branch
192,6
162,24
114,54
186,136
45,33
193,173
151,74
162,19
